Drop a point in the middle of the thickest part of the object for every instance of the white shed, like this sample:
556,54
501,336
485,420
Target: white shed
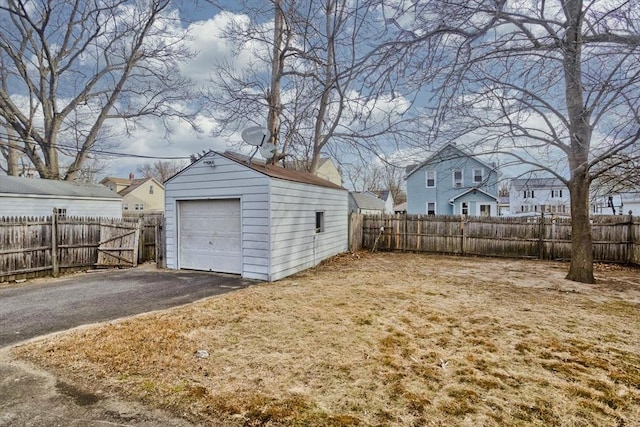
38,197
263,222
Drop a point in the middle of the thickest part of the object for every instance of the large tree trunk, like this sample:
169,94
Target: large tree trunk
273,97
581,267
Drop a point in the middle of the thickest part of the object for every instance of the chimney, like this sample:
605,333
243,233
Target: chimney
131,176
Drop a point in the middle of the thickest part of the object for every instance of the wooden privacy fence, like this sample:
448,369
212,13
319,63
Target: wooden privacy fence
151,244
615,238
32,247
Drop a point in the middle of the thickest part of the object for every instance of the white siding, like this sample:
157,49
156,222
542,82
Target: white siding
295,245
32,205
278,216
226,179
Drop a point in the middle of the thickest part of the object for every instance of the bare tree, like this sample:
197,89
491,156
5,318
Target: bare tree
366,173
77,66
316,85
554,85
161,170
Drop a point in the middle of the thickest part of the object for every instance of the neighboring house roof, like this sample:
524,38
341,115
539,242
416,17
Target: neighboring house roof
366,201
136,183
326,168
275,171
457,196
115,180
50,187
442,154
382,194
303,165
402,207
536,183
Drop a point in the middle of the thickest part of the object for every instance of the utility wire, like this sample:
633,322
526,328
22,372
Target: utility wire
5,139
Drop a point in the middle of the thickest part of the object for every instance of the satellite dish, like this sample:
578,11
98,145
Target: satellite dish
255,135
268,150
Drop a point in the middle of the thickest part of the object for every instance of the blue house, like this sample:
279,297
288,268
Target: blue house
452,182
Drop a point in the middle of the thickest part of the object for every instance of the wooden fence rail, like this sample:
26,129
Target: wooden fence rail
35,247
615,238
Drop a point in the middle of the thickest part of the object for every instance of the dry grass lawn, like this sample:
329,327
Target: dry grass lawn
381,339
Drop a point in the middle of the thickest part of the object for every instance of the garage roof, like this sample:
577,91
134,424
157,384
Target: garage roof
278,171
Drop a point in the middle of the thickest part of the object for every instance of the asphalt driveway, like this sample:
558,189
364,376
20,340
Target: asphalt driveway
43,306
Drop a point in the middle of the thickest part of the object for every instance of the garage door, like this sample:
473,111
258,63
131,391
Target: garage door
209,235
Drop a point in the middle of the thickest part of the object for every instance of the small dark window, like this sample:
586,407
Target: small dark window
431,208
319,222
151,189
61,213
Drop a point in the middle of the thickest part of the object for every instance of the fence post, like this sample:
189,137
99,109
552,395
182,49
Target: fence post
541,237
141,240
160,244
553,237
55,266
461,234
404,240
630,238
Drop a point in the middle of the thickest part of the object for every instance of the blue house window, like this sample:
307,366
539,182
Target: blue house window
431,179
457,178
478,176
431,208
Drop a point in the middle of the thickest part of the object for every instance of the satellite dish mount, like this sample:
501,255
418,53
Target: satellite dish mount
258,136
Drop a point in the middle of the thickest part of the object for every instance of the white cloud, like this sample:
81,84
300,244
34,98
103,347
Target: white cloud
208,40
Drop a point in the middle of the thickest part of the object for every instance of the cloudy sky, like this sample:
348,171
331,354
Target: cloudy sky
151,140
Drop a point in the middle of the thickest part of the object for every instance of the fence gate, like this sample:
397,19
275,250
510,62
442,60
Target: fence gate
118,244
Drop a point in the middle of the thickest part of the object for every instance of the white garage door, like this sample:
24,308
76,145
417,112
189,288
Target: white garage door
209,235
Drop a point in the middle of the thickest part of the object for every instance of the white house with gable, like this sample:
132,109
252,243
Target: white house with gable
548,195
227,214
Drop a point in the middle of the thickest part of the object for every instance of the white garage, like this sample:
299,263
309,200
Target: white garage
263,222
210,235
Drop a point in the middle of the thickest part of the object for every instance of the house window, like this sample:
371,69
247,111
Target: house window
478,176
125,207
319,222
528,194
485,210
151,189
556,193
431,208
457,178
61,213
431,179
464,208
139,206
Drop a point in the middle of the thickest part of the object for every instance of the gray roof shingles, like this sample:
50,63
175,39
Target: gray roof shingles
367,202
49,187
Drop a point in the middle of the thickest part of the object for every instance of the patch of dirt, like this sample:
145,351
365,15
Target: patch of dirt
377,339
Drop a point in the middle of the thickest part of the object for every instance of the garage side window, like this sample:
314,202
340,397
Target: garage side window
319,222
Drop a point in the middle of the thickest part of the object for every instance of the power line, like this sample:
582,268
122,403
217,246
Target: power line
10,138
